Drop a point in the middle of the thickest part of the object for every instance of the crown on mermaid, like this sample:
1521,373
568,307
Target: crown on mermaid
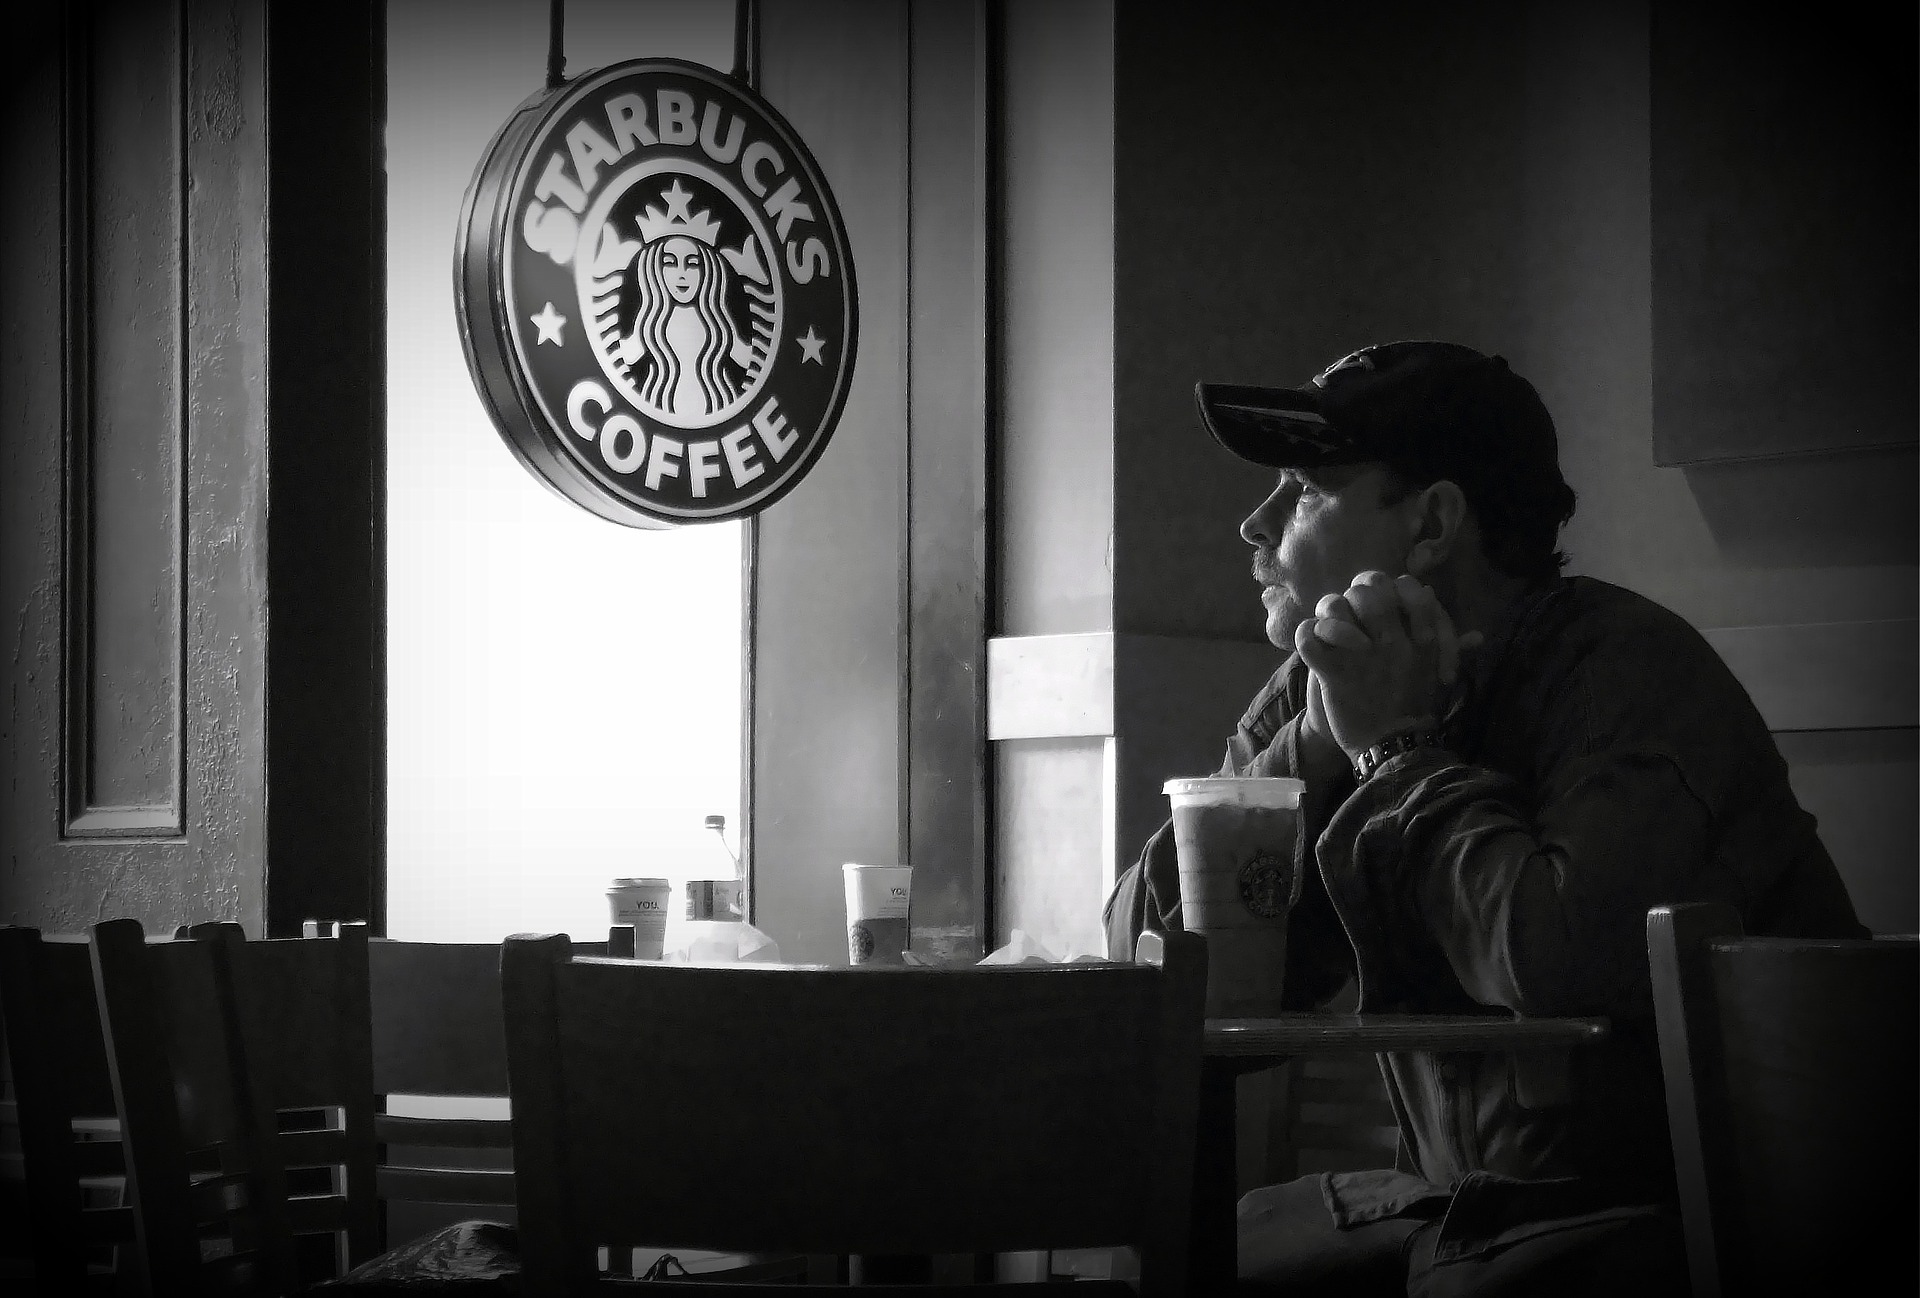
676,219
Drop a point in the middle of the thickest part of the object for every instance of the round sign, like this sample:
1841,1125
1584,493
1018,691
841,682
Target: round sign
655,295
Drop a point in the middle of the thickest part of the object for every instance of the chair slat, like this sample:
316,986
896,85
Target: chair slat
444,1133
98,1158
107,1225
237,1273
213,1199
318,1148
1308,1135
1348,1092
316,1213
469,1185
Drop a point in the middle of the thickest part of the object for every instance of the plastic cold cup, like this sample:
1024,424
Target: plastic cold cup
643,904
1235,842
877,900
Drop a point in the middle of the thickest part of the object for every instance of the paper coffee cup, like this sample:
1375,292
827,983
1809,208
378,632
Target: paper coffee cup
877,903
643,904
1235,840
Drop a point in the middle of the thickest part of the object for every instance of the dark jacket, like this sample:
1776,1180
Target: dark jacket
1599,760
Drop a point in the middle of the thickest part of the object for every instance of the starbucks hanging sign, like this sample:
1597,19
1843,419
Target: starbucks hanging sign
655,295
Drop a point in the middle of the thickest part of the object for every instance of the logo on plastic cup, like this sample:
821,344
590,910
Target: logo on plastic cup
1263,885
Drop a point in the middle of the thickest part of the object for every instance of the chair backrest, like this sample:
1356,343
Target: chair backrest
305,1024
208,1196
1792,1073
63,1096
1334,1116
438,1032
854,1111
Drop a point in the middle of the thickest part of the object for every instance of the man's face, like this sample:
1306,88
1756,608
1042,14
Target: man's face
1318,529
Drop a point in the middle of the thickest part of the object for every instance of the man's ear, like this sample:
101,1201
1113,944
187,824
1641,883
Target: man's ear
1436,517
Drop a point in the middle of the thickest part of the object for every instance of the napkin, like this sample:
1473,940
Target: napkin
722,943
1023,948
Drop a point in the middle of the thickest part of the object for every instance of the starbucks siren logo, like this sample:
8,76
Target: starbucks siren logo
657,295
1264,885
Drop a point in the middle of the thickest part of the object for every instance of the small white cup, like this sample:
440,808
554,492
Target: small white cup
643,904
878,897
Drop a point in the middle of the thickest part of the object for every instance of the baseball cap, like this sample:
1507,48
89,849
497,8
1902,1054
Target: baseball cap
1430,409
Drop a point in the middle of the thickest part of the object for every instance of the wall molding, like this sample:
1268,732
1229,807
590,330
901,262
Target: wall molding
1050,686
1805,676
125,410
1827,675
1097,684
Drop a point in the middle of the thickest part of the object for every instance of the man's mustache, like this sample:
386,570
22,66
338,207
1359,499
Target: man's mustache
1266,565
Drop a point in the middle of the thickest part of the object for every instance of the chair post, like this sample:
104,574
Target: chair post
1689,1035
149,1124
52,1182
1182,961
528,966
254,1094
357,1178
620,941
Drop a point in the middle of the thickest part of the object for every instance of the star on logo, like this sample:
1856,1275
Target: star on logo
548,322
810,345
677,200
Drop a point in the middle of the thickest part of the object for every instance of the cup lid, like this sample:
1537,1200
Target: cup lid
1248,790
640,883
856,865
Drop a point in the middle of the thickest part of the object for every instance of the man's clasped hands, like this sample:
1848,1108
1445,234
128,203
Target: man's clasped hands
1382,656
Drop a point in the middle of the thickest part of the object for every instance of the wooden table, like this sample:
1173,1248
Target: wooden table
1237,1046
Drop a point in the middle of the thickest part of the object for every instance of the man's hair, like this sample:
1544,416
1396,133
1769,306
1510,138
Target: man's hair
1519,536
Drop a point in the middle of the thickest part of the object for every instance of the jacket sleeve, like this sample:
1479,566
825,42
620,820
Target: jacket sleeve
1536,906
1147,896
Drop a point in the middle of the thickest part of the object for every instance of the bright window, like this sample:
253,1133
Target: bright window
563,693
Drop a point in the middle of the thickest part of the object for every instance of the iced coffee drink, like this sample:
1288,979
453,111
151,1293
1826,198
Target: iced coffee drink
1236,843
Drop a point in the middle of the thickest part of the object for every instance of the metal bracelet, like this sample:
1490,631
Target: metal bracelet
1374,755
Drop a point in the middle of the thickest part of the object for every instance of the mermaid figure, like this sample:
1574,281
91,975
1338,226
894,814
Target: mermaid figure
676,332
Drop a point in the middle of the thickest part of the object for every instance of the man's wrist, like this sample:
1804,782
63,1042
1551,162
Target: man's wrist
1368,758
1319,754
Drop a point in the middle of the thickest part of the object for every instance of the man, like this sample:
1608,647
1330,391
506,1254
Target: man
1504,769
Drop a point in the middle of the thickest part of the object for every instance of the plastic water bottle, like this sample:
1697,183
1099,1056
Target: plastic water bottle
713,909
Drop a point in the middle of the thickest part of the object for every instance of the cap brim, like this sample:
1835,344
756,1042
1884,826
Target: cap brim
1278,427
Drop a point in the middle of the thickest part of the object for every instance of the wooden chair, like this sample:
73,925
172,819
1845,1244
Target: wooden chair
207,1192
438,1036
289,1023
304,1029
72,1167
437,1033
1793,1081
853,1111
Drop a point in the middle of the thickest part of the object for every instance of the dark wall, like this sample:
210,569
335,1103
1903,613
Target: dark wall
1291,183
